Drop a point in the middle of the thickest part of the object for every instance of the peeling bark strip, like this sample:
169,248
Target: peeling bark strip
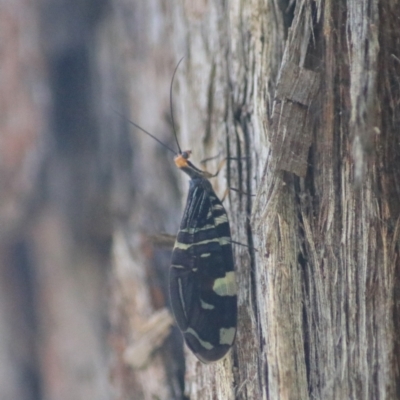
292,130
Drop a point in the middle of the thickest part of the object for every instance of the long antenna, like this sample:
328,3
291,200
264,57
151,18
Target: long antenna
170,103
144,130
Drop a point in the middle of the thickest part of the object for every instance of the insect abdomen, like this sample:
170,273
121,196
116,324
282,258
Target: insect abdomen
202,278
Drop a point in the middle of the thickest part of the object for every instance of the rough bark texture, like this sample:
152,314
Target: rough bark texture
302,100
306,95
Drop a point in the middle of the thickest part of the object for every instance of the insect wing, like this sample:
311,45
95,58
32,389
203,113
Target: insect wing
202,278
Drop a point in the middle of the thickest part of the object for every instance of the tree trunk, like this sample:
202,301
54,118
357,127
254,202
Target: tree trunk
302,98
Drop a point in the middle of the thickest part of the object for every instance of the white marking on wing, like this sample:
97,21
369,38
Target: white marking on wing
227,336
206,306
181,297
221,219
184,246
225,286
206,345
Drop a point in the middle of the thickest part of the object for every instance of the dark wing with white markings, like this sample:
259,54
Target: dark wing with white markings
202,278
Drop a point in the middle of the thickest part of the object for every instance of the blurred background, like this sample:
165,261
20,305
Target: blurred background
81,192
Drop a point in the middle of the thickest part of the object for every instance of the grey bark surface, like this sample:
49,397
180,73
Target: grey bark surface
303,98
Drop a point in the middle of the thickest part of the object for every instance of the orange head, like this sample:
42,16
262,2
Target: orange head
181,160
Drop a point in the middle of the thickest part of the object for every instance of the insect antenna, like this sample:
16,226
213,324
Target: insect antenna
144,130
171,106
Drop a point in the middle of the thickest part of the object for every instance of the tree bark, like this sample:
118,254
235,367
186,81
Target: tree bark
302,98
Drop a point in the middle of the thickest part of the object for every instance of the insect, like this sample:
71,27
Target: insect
202,279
